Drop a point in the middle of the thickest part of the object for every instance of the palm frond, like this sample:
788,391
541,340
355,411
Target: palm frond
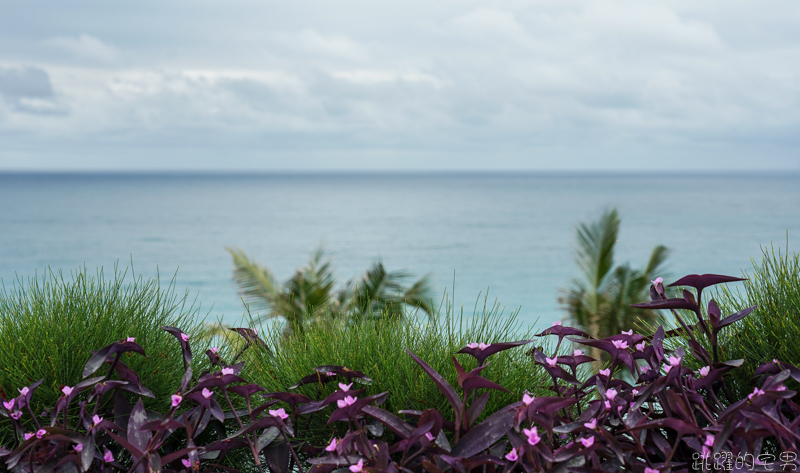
256,283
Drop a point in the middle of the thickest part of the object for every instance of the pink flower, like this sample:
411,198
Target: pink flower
629,332
657,281
704,371
66,390
577,353
108,457
512,455
184,337
527,399
650,470
16,415
347,401
781,388
186,462
607,405
775,360
40,433
645,368
606,372
78,448
24,391
588,442
358,466
551,361
709,441
675,360
345,387
206,393
28,435
214,350
667,368
96,419
635,392
472,345
9,405
756,392
176,400
706,452
279,413
620,344
484,346
533,435
640,346
429,436
130,339
556,323
592,424
611,394
331,446
226,371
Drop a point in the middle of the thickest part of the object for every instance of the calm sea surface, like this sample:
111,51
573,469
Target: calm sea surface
512,234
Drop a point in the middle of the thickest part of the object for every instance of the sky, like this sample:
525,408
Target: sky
350,85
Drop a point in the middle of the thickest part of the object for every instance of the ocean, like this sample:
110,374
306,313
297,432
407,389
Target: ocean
511,235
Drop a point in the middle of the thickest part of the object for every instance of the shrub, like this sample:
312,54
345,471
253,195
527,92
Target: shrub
49,324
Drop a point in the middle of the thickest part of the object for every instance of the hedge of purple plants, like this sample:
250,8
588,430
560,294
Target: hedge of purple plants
670,420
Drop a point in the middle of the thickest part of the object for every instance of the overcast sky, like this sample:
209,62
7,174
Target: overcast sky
411,84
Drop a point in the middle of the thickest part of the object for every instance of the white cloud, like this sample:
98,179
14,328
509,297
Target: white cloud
84,46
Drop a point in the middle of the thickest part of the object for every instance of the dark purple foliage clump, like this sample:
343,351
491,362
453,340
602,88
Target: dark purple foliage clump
647,412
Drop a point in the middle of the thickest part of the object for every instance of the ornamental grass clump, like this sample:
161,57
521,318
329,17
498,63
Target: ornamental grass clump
670,419
48,323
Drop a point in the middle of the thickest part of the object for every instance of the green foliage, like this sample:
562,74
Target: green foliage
378,348
48,325
599,302
772,331
309,296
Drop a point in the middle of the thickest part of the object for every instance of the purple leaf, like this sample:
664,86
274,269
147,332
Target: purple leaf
448,391
485,434
394,423
713,314
491,349
137,418
185,348
735,317
674,303
277,457
699,281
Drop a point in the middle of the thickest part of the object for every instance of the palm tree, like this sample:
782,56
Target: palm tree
599,302
309,296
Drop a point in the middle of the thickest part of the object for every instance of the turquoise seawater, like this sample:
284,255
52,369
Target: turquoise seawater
512,234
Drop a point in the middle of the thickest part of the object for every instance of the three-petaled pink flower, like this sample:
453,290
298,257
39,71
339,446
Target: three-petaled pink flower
184,337
606,372
176,400
345,387
429,436
227,371
704,371
66,390
331,446
592,424
756,392
781,388
577,353
108,457
16,415
607,405
96,419
675,360
358,466
214,350
40,433
533,435
551,361
24,391
512,455
667,368
611,393
279,413
130,339
9,405
588,442
187,463
620,344
647,469
347,401
556,323
640,346
707,446
206,393
657,281
28,435
629,332
78,447
635,392
527,399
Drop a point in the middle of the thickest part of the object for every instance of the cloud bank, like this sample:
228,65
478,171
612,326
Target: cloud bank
400,85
